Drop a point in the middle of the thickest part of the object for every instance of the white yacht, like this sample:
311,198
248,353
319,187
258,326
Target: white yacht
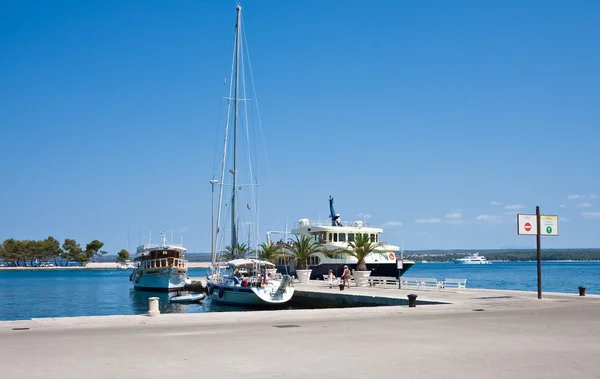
387,260
473,259
160,267
245,281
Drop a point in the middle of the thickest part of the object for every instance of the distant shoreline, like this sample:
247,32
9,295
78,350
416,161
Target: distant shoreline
115,266
94,266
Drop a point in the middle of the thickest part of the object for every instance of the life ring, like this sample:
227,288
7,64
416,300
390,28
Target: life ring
221,292
392,256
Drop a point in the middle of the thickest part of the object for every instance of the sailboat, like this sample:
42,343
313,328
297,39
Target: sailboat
245,279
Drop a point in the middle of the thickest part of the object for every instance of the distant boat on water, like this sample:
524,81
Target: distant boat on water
472,259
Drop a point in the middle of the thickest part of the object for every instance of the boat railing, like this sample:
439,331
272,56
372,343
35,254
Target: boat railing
328,223
163,263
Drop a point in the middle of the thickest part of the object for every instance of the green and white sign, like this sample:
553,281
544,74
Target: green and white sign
549,225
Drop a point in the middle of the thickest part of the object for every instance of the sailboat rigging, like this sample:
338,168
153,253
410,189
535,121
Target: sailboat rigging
245,280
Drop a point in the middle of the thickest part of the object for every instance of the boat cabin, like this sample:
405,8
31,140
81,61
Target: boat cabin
158,256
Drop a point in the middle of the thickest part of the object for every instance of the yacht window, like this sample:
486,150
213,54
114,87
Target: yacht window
350,237
335,237
329,237
342,237
313,261
372,238
322,237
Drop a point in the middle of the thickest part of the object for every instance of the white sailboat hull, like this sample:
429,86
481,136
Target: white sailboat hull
249,296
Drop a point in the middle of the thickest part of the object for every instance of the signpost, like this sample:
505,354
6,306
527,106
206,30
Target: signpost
537,225
399,265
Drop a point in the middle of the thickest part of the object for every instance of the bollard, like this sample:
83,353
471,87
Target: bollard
412,300
153,306
342,287
581,291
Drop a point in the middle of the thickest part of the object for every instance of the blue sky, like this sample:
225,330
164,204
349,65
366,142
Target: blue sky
437,121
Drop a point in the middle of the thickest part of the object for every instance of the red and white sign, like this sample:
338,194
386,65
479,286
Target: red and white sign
526,224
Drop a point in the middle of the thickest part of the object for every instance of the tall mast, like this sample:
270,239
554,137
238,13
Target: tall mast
238,45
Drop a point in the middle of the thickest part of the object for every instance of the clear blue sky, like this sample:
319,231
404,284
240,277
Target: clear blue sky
437,120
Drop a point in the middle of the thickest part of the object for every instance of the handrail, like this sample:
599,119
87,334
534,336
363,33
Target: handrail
328,223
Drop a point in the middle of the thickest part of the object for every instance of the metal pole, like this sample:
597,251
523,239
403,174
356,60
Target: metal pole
238,46
539,252
212,223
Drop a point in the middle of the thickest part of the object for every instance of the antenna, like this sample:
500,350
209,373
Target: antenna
150,238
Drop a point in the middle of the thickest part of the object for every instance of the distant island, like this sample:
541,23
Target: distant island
50,252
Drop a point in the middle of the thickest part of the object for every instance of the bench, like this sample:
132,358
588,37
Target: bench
428,283
384,280
454,283
406,282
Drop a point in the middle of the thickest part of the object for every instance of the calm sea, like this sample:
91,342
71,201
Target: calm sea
28,294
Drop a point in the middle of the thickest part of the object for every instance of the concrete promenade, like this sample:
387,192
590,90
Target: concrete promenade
477,334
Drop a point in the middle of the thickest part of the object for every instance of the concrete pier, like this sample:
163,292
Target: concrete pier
468,335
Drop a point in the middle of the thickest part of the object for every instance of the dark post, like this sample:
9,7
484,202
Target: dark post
412,300
539,252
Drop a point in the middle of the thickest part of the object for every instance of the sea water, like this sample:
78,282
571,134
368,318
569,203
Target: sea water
26,294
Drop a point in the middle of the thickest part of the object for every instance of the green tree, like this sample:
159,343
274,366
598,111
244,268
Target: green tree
269,252
28,250
123,256
72,251
302,248
51,249
360,248
10,251
92,249
229,253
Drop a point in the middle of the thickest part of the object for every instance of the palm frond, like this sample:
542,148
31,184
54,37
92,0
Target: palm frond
360,248
302,248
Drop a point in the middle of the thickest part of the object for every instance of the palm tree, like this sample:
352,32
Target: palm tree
229,253
360,248
302,248
268,251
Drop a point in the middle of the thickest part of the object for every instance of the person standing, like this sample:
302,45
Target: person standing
330,278
346,276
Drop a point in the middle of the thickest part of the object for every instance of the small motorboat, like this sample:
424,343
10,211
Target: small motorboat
189,298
